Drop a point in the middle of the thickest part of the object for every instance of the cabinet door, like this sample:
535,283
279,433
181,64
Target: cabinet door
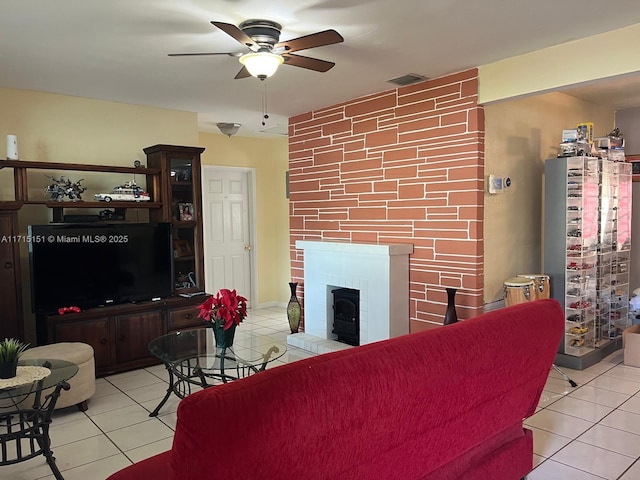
94,332
133,334
10,299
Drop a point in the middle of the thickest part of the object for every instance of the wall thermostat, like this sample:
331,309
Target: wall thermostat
498,184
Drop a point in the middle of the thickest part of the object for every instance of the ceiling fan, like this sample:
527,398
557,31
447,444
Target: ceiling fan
267,52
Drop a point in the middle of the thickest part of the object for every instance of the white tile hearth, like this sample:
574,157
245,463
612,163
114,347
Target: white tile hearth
315,344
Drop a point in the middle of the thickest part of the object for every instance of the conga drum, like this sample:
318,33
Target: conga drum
541,284
518,290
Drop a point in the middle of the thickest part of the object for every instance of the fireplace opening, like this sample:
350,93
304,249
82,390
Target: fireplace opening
346,315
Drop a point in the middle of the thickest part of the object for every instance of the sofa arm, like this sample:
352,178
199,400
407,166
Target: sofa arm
157,467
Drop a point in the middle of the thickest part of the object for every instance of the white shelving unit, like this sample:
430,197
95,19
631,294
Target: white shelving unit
586,253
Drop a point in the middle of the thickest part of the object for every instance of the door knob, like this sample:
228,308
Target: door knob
10,265
247,247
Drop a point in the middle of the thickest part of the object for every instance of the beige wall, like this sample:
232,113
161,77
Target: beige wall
520,135
599,56
61,128
270,160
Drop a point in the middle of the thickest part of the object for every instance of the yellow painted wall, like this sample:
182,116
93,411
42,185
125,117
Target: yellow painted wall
58,128
520,135
588,59
61,128
270,160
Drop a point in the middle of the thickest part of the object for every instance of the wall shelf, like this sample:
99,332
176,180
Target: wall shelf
80,167
83,204
21,190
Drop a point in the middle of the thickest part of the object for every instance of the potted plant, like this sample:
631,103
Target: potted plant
10,351
224,312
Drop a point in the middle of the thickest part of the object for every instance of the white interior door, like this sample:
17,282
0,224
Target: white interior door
228,248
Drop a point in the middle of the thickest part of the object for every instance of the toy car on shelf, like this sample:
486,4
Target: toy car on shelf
578,330
583,304
129,192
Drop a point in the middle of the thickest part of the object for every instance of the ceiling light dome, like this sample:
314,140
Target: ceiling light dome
228,129
261,64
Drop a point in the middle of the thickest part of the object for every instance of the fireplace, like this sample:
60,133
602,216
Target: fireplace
380,272
346,315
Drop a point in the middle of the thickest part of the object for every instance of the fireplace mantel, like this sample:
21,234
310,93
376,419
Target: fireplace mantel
379,271
386,249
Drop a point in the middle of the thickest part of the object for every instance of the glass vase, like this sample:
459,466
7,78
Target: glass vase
294,310
224,338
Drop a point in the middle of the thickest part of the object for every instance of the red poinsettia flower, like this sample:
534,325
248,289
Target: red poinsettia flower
226,307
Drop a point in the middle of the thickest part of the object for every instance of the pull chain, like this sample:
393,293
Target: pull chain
265,115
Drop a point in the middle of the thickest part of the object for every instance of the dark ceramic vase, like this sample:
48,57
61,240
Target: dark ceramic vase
8,370
451,316
294,310
224,338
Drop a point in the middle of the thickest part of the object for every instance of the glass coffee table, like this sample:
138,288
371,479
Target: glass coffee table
192,359
27,402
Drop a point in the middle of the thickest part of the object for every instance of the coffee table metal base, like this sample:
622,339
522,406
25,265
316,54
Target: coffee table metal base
189,372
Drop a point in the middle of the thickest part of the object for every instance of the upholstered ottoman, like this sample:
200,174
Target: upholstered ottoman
83,384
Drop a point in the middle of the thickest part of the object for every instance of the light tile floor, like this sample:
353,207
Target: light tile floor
590,432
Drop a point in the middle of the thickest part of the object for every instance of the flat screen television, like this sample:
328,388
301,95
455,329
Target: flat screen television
90,265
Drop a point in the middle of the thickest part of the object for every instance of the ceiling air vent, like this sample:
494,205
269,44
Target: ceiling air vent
407,79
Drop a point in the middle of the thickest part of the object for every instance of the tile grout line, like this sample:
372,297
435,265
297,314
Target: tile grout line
572,440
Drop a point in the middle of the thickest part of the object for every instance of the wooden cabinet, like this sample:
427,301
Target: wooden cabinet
120,334
11,323
182,206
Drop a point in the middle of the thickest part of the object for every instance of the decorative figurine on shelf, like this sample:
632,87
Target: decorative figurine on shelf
128,192
63,187
185,280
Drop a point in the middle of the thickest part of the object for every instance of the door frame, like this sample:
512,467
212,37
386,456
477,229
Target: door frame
207,172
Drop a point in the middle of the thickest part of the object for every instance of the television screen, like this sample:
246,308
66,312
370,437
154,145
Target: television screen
89,265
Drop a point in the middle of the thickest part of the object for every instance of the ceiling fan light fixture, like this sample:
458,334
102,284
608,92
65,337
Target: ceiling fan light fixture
228,129
261,64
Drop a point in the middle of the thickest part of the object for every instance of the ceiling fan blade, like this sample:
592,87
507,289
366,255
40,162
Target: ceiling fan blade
237,34
319,39
307,62
201,54
243,73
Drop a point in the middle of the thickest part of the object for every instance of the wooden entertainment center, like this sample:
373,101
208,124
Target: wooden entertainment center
121,333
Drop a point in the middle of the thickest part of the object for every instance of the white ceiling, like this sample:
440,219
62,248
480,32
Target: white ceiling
117,49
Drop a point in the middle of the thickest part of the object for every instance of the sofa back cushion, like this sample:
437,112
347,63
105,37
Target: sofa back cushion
399,408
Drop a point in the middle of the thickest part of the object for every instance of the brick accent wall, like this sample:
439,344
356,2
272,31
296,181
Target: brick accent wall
400,166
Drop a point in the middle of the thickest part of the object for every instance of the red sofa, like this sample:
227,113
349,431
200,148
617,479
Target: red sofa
443,404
